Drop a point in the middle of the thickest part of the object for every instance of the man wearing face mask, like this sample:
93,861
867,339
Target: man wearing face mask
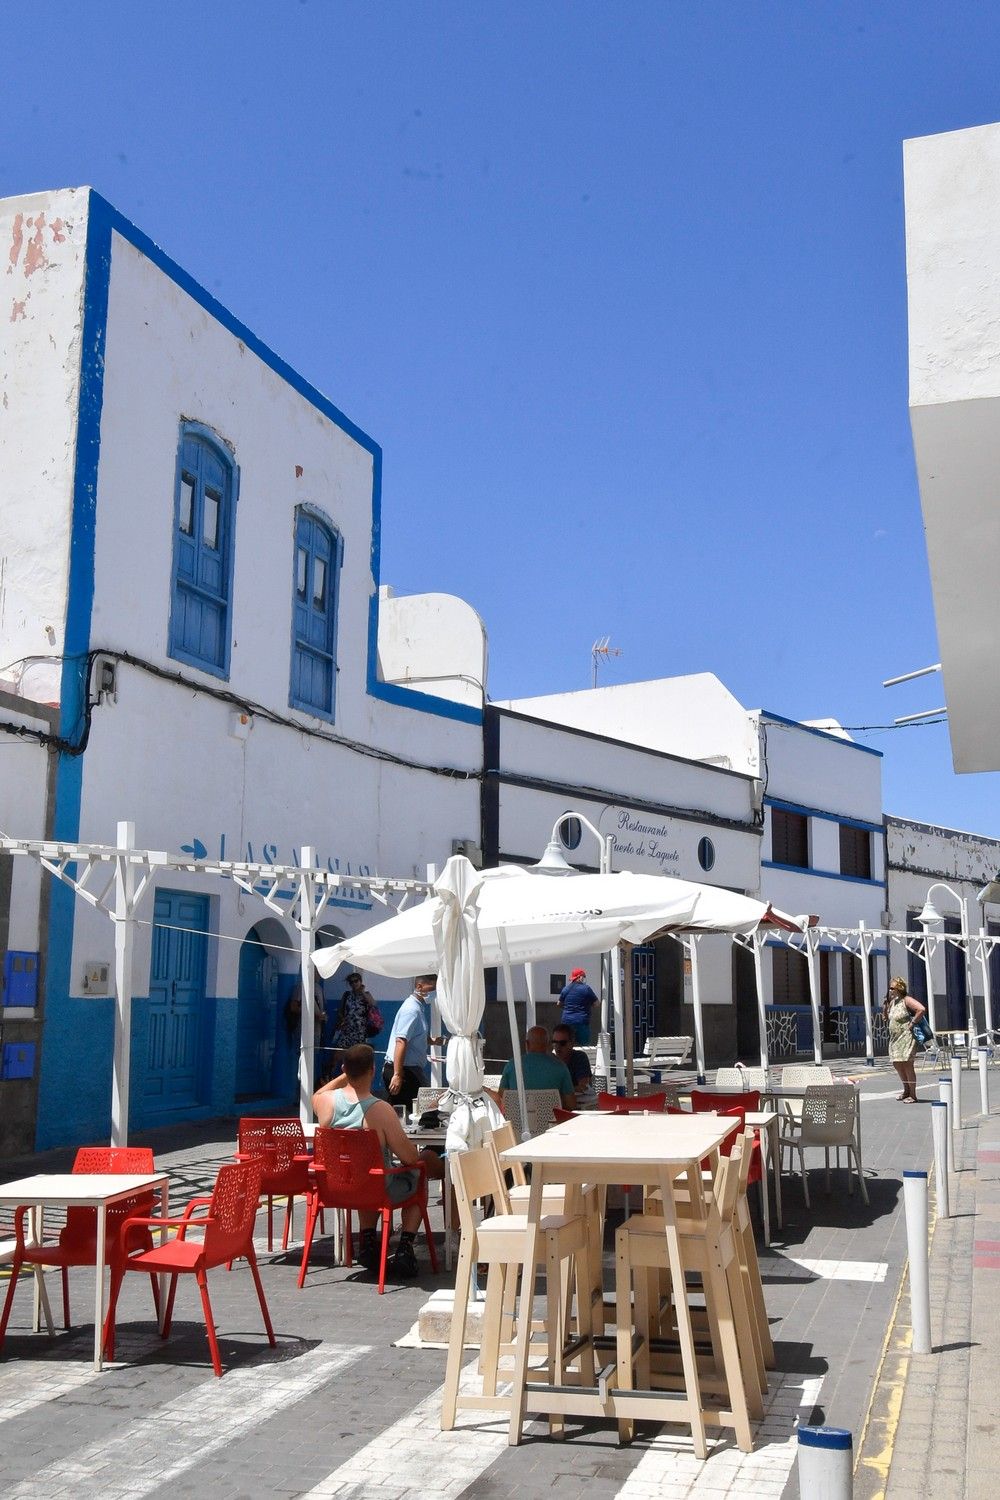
405,1069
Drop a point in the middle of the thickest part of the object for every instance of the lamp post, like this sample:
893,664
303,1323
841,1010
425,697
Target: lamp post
554,862
930,914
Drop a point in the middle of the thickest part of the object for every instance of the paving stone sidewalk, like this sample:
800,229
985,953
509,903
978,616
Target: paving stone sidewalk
934,1419
339,1410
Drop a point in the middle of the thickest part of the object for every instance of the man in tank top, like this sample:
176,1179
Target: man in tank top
347,1103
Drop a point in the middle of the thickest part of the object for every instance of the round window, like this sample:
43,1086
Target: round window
706,853
570,833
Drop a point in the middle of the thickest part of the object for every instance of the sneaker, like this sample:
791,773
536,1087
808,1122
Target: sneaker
404,1261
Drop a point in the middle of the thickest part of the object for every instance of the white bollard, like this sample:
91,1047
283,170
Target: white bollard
939,1130
956,1093
826,1463
984,1083
915,1204
944,1094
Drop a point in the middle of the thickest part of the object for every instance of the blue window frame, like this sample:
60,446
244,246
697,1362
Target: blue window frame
319,554
204,512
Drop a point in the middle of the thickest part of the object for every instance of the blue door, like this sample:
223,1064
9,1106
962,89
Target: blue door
256,1017
314,665
643,995
176,995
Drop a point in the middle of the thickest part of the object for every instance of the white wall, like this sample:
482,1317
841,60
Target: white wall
434,643
952,184
43,240
693,716
822,771
24,775
648,841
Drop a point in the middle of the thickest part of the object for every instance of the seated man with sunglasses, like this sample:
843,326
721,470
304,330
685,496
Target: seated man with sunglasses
576,1061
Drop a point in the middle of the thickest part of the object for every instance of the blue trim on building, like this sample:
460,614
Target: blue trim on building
79,612
815,812
770,864
824,734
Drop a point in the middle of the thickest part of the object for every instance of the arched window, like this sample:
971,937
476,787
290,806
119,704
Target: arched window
318,557
204,509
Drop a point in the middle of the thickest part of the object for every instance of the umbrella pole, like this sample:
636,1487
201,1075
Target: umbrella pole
812,959
621,1075
508,985
866,994
699,1030
758,969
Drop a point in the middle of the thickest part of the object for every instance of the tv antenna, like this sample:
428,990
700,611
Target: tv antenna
602,647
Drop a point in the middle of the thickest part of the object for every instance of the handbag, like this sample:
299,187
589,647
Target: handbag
922,1033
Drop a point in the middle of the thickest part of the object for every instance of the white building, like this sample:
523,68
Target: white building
816,799
953,868
953,285
189,542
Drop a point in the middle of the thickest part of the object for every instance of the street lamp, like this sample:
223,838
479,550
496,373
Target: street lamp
554,861
930,914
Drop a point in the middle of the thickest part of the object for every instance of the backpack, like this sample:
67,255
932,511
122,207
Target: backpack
374,1023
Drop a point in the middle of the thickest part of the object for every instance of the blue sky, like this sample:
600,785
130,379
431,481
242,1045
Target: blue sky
619,289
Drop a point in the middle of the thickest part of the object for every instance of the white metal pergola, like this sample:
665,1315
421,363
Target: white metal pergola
115,879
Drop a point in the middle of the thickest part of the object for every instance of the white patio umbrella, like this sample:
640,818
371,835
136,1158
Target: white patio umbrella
525,915
541,916
461,1000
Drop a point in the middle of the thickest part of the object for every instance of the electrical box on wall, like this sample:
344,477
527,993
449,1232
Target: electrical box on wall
20,979
95,979
18,1061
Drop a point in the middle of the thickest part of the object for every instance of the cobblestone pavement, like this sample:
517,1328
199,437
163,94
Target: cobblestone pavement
338,1410
934,1417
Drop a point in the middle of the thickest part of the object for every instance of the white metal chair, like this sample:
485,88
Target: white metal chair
801,1075
540,1102
492,1080
828,1121
741,1078
428,1099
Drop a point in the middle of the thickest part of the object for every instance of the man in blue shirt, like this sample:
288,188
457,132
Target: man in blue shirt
541,1070
576,1062
577,999
405,1069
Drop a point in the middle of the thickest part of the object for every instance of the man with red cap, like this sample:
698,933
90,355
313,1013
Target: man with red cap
576,999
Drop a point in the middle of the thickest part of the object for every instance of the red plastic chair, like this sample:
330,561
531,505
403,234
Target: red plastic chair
282,1149
228,1235
77,1244
559,1115
349,1174
738,1105
621,1104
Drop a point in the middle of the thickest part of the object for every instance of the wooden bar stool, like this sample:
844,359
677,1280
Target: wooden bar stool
500,1243
708,1250
557,1198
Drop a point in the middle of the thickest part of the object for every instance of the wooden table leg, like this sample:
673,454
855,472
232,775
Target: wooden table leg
685,1332
519,1378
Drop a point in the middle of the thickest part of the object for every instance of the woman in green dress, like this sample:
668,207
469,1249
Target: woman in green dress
901,1013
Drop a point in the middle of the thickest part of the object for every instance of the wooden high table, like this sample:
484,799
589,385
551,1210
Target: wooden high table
614,1150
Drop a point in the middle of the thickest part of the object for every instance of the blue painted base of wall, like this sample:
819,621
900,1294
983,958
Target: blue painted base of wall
74,1106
